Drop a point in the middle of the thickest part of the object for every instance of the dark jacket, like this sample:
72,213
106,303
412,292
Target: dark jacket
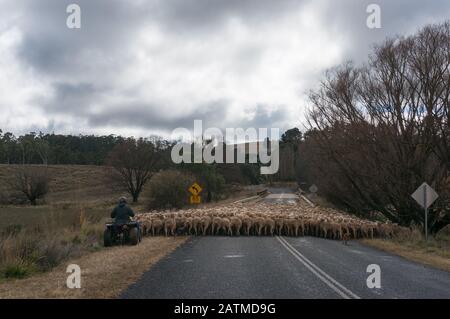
122,213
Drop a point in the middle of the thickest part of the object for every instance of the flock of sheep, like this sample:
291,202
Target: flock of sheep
264,220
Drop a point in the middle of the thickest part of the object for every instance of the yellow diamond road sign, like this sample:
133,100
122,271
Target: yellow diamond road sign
195,189
195,199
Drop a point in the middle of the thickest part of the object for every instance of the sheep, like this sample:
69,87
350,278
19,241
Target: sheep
180,221
188,225
261,219
236,225
259,225
215,225
196,222
293,226
367,231
170,226
146,226
335,230
279,224
204,224
270,226
246,225
226,226
157,226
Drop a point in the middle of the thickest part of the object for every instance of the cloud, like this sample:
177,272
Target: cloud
136,114
145,67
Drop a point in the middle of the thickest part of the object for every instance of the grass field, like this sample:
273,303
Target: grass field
73,190
68,183
66,224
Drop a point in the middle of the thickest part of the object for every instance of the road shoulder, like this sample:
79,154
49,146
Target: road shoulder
416,254
104,274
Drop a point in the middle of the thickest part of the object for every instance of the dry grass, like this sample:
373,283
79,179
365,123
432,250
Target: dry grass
47,234
24,252
37,242
104,274
55,215
435,252
68,183
36,239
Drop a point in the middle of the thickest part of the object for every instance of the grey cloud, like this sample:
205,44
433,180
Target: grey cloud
72,97
82,64
398,17
158,117
206,15
213,114
264,117
51,47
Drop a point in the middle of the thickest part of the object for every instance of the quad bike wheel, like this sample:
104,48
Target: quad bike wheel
134,236
107,240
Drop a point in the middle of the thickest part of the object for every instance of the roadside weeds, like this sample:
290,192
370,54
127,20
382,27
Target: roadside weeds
104,274
427,255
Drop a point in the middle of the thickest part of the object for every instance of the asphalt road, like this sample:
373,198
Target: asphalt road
281,196
284,267
268,267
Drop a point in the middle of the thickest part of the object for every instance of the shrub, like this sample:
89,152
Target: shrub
17,255
209,178
251,173
168,189
12,197
4,198
33,182
444,234
17,270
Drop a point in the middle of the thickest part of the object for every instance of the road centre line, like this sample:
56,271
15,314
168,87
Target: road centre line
322,275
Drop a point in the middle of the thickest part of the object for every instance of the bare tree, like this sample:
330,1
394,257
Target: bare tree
379,131
33,182
134,162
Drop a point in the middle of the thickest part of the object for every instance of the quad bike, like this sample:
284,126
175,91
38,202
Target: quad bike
122,234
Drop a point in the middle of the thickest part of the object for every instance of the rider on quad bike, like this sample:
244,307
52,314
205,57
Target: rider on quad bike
122,213
123,229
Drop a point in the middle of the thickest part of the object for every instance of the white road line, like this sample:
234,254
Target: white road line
342,287
322,275
327,282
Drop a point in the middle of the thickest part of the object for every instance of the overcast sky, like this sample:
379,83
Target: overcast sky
140,67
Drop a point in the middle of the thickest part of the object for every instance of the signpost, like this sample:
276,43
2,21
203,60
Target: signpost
313,189
425,195
195,190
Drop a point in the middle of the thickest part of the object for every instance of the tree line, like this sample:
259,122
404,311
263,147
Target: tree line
39,148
